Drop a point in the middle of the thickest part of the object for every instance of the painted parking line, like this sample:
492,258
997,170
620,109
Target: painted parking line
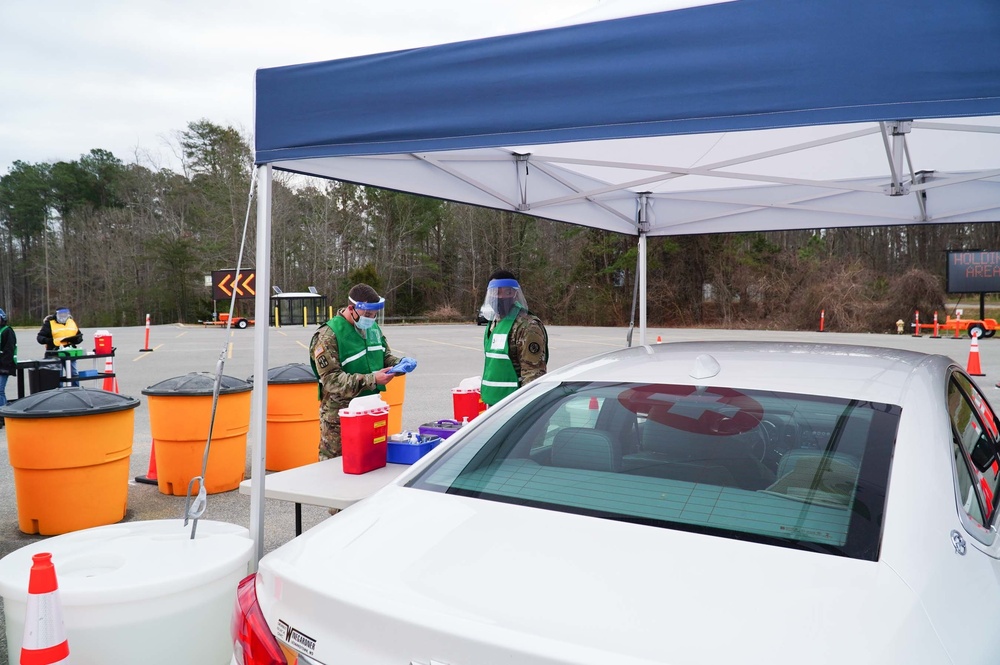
459,346
143,355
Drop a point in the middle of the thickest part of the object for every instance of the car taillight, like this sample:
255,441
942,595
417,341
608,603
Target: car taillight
253,643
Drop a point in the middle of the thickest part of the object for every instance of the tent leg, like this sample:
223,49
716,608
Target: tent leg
258,410
642,289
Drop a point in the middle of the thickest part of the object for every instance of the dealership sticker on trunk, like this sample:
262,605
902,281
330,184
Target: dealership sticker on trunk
293,638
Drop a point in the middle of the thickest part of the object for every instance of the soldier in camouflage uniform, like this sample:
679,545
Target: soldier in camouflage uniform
515,341
350,357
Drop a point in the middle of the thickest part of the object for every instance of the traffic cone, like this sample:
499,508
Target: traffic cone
110,382
659,340
973,368
44,641
150,477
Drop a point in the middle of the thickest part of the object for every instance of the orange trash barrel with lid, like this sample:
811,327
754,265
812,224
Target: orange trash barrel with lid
180,410
70,451
292,417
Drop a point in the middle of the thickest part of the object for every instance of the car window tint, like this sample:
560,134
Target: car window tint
786,469
975,427
969,497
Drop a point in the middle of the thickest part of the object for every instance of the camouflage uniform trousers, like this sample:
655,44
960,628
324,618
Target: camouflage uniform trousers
329,429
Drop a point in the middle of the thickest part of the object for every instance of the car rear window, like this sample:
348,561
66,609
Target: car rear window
785,469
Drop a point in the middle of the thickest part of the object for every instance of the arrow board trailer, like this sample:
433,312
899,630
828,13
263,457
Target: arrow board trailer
223,318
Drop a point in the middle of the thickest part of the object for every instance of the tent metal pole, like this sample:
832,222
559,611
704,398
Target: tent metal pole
258,402
645,215
642,289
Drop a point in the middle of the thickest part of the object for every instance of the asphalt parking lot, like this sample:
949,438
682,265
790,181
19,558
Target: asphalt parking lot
445,353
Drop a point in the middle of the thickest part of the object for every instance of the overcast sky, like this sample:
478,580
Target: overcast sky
127,76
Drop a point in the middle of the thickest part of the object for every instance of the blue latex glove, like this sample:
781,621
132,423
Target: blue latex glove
404,366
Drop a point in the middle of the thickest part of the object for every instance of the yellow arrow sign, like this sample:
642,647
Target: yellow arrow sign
225,283
248,284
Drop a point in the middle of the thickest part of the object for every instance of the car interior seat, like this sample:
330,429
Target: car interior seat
828,477
730,458
586,448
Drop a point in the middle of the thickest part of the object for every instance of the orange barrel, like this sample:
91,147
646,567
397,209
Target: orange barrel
70,450
180,410
467,403
362,434
292,417
395,393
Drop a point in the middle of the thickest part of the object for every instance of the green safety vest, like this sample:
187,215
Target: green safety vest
499,377
358,355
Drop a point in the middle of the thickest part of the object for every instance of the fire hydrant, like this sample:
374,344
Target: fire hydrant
899,327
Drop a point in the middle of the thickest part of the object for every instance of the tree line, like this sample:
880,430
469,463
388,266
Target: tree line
115,241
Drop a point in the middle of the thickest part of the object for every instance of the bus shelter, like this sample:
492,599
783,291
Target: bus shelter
298,309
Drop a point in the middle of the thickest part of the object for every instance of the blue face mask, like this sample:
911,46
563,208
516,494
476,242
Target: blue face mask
364,323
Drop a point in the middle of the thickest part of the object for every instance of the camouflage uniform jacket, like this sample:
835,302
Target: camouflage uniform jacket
529,347
340,387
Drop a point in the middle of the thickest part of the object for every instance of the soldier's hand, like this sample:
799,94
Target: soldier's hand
383,376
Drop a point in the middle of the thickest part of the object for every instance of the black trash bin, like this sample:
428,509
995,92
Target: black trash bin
44,377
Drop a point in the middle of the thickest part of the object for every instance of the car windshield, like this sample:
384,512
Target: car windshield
786,469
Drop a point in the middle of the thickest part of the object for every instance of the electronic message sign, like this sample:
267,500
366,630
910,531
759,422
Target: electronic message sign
973,272
226,282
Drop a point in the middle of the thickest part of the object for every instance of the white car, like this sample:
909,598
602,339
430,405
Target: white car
710,503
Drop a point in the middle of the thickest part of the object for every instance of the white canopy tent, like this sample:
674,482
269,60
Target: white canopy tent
751,115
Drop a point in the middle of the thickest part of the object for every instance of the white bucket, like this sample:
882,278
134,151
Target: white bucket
138,591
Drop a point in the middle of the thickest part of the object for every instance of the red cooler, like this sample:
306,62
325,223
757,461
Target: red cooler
363,438
467,403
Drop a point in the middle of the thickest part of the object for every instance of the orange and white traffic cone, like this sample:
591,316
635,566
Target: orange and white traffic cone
110,381
973,368
150,477
659,340
44,641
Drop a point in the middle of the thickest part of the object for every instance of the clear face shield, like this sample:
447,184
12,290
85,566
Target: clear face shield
63,315
367,312
502,295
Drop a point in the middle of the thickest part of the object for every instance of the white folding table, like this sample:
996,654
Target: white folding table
324,484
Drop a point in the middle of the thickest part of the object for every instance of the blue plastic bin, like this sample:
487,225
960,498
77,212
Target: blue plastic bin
405,452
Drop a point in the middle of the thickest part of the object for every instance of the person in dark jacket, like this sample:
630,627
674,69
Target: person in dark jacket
58,331
8,357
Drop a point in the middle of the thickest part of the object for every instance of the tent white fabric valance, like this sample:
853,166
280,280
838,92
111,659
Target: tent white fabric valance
736,116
